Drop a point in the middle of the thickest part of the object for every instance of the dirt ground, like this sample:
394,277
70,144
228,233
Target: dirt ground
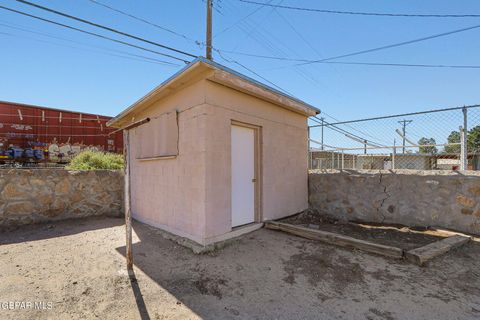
391,235
79,266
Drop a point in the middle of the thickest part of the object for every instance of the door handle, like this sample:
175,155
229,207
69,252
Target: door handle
254,180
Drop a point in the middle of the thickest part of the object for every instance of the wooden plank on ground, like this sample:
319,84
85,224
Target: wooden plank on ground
435,249
336,239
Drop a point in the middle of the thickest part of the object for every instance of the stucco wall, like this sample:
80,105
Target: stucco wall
29,196
283,156
189,195
443,199
170,193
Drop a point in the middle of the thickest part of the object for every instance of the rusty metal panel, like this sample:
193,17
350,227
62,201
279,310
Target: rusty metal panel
27,126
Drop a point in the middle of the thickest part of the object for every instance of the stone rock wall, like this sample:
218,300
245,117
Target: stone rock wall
442,199
30,196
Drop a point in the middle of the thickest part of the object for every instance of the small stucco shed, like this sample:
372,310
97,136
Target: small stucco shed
216,154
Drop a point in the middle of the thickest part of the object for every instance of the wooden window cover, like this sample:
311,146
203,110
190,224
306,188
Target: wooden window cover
158,137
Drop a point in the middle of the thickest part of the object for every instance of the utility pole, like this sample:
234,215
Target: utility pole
404,123
209,30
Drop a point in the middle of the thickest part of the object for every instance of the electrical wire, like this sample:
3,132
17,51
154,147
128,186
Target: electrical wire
381,14
271,46
238,21
348,134
142,20
268,44
105,28
91,33
422,65
395,45
262,37
404,65
255,73
305,61
122,54
298,33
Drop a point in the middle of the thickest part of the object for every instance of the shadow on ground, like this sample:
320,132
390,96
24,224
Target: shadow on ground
79,265
55,229
270,274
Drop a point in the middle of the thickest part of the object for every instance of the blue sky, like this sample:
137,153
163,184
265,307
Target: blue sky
52,72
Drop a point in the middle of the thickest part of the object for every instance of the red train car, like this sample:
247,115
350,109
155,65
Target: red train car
59,133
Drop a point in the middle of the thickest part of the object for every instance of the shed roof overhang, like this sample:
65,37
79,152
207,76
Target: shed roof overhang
202,68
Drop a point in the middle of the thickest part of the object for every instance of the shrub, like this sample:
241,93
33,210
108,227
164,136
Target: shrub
95,160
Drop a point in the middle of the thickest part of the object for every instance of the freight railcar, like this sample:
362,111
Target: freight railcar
32,135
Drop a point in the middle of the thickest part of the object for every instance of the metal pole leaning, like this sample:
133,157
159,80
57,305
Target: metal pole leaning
128,212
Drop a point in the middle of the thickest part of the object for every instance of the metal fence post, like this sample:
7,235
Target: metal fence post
464,138
309,154
462,148
393,154
343,160
323,124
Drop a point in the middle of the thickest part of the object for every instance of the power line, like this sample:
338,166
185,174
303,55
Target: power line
396,44
261,42
142,20
404,65
106,28
255,73
405,114
345,132
240,20
272,47
422,65
381,14
299,34
305,61
262,36
91,33
124,54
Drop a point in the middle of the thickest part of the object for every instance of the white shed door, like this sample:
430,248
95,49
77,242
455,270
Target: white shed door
243,174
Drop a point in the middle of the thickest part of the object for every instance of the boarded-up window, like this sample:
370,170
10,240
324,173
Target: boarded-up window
158,137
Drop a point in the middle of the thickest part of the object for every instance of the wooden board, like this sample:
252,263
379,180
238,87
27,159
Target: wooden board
435,249
128,213
336,239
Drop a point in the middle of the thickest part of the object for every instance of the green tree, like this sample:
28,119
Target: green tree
427,149
453,137
473,139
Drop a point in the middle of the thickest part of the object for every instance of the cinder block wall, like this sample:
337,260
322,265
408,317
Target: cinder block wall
30,196
443,199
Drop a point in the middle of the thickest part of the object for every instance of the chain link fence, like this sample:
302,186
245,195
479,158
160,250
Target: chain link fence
444,139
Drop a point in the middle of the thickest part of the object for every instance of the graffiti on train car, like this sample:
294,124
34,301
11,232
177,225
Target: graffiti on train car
40,152
32,135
